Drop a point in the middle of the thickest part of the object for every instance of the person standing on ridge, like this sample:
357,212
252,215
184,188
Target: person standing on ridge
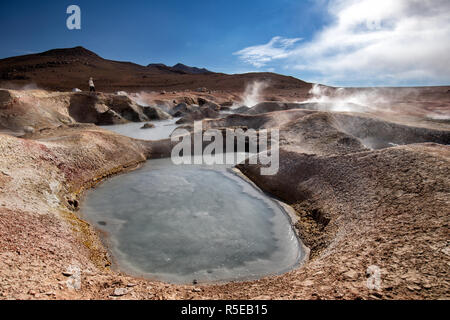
91,85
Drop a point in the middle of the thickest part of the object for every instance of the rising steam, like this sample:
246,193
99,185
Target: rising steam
346,100
418,102
253,93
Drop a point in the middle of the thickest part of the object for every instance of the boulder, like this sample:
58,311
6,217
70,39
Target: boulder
201,101
86,108
28,130
110,117
212,106
181,109
243,109
126,107
155,113
148,125
118,292
268,106
199,114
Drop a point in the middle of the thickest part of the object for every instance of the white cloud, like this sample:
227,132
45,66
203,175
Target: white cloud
259,56
371,41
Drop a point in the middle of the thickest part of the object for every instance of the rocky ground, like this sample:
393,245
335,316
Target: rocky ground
27,111
371,195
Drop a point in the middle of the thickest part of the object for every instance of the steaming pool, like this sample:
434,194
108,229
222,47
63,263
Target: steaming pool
162,129
184,223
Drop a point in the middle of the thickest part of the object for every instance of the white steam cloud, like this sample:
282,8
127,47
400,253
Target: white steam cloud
253,93
346,100
26,87
414,102
145,99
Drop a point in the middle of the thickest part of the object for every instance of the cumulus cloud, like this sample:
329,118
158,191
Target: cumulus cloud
371,41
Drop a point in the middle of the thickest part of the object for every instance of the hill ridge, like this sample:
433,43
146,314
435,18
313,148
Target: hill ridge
64,69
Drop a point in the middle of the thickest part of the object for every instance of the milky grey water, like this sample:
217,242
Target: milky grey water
180,223
162,129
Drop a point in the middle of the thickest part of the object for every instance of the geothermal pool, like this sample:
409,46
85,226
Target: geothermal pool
162,129
184,223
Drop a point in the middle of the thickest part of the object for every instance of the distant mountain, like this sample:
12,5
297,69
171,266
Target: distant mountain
160,65
191,70
163,68
65,69
179,67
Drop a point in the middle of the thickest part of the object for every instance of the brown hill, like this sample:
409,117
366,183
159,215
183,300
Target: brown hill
192,70
66,69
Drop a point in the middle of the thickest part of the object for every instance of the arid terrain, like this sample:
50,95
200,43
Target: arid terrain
66,69
367,171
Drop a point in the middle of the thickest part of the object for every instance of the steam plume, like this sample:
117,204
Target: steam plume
253,92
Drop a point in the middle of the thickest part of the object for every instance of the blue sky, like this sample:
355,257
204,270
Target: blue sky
320,41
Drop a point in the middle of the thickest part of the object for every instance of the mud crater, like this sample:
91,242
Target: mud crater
188,223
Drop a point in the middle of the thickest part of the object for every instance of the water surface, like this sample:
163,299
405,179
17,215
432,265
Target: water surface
185,223
162,130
